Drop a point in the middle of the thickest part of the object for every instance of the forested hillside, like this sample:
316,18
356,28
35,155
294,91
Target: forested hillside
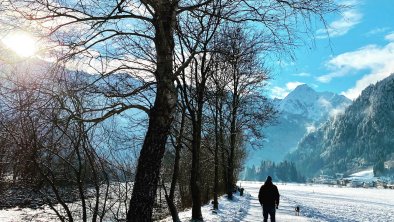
361,137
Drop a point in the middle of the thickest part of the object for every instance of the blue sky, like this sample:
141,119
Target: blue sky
359,51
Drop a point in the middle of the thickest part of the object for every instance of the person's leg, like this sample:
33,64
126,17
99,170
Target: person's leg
265,214
272,214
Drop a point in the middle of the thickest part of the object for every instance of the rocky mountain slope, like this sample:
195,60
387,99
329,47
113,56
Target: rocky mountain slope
361,137
300,112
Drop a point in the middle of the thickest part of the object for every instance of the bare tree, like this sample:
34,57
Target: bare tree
217,84
246,77
59,155
137,37
193,96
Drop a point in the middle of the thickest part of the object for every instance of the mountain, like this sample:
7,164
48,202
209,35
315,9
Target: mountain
361,137
301,111
312,105
98,95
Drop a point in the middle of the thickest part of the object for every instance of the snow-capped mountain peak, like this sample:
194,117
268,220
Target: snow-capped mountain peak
300,112
316,106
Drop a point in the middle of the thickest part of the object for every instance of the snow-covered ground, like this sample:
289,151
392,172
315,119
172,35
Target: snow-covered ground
234,210
318,203
329,203
324,203
285,213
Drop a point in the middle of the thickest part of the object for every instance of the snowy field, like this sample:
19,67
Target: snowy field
324,203
318,203
328,203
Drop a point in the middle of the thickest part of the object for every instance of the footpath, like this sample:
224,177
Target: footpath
243,209
285,213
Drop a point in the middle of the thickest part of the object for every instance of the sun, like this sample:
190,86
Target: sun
21,43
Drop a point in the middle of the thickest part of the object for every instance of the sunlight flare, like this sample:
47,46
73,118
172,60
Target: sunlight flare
21,43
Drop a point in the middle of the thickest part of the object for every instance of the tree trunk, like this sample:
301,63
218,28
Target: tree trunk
195,179
171,206
230,167
178,147
222,147
216,176
233,136
175,174
160,118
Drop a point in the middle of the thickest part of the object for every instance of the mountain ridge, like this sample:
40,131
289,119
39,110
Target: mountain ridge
360,137
301,111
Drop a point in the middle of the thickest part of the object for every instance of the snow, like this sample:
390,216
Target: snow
367,174
10,215
230,211
285,213
318,203
27,214
329,203
316,106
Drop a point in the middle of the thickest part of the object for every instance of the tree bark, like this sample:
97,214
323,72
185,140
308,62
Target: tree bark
195,181
178,147
216,176
160,118
224,150
233,135
174,180
171,206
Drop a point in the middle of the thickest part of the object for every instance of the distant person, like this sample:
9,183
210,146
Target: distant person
269,199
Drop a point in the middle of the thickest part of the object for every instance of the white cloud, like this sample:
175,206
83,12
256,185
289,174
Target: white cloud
349,18
327,78
282,92
325,103
376,31
310,128
379,60
338,110
366,80
313,85
293,85
302,74
279,92
370,56
390,37
333,111
284,64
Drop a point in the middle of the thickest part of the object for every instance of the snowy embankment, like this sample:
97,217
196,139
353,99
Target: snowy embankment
318,203
328,203
242,209
285,213
234,210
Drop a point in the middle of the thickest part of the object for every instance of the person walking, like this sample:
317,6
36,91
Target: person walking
269,199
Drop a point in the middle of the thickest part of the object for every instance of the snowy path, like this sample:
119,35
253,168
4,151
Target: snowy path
319,203
332,204
285,213
243,209
322,203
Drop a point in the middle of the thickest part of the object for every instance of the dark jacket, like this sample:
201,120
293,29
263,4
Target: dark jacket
269,195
